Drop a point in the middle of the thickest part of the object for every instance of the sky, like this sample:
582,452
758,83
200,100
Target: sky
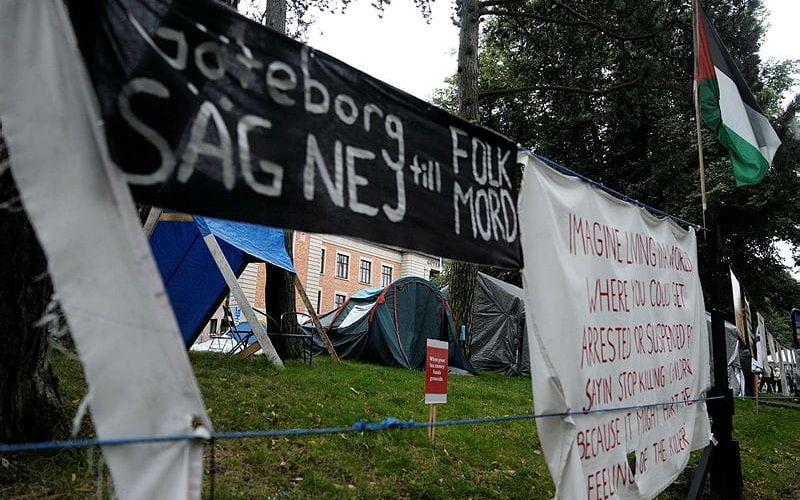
415,56
400,49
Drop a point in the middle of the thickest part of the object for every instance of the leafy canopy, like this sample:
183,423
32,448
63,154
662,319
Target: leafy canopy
605,87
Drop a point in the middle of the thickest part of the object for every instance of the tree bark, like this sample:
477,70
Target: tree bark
463,275
279,291
279,294
30,408
275,15
468,60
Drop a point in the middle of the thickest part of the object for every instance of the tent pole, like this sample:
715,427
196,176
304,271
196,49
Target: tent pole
175,217
315,319
238,294
153,217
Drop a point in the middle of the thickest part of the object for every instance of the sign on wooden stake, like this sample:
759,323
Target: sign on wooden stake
436,356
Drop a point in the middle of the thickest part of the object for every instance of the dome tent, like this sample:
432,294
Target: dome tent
390,326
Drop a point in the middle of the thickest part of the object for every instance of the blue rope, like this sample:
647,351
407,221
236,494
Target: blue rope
358,427
613,192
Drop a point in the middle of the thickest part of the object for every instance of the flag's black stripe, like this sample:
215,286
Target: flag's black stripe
723,60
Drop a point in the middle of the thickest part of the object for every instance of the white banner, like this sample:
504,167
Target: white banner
139,376
760,363
616,319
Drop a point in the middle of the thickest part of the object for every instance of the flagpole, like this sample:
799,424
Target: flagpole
725,463
697,116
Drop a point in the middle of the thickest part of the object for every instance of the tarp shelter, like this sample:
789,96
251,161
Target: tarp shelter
389,326
498,339
193,281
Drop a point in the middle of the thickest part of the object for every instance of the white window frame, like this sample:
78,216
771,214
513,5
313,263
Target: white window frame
323,253
391,277
339,294
371,263
346,277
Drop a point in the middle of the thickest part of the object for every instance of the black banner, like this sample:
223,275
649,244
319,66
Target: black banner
210,113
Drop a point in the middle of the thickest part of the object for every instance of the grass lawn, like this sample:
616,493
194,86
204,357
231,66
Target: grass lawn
464,462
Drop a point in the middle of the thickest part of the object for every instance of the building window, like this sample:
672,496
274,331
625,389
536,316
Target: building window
386,275
322,261
365,272
342,266
338,300
319,299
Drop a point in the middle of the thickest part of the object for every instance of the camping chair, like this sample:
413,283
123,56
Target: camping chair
240,338
290,328
287,330
220,340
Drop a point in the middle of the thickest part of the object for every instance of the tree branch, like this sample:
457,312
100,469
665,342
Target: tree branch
531,15
583,20
603,29
527,89
492,3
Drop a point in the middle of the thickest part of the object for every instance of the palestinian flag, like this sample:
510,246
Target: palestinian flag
728,107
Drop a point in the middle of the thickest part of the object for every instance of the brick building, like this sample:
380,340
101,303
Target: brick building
332,268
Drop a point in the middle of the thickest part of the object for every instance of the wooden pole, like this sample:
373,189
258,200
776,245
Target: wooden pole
755,389
697,118
315,319
153,216
241,299
432,420
176,217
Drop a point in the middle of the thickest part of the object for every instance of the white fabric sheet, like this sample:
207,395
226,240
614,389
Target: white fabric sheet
137,369
576,241
761,349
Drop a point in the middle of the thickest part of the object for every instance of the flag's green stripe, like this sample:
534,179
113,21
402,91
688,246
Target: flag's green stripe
709,103
749,165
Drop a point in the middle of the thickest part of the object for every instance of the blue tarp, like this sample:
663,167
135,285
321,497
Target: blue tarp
193,281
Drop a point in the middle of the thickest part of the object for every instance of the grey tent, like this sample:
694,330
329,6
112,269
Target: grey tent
498,338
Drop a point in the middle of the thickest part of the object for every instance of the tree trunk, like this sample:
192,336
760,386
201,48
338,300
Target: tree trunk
463,275
279,292
275,15
468,61
30,409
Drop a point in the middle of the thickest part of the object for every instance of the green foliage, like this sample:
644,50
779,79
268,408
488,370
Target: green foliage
778,76
443,278
300,13
445,97
605,88
777,323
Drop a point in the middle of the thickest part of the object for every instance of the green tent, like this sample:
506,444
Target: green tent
390,326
